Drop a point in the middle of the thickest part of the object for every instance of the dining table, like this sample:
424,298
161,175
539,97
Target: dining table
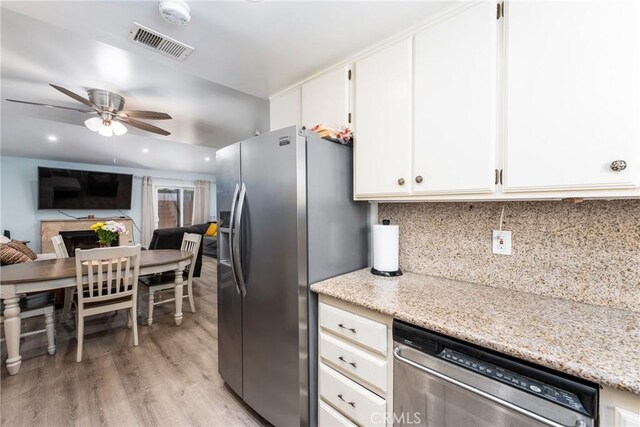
51,274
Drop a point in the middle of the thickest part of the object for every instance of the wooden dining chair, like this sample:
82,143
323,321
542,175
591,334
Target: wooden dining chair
61,252
163,282
34,305
37,305
111,284
58,247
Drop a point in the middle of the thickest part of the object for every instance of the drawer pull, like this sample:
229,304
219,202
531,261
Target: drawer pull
342,359
348,329
350,403
618,165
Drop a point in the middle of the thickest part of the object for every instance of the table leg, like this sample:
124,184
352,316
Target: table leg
178,294
50,328
12,333
150,307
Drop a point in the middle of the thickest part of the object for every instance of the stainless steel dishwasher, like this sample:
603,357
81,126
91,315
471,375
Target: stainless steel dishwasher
442,382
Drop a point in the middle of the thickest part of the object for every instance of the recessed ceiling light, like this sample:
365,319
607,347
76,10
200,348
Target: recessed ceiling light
145,150
207,158
52,138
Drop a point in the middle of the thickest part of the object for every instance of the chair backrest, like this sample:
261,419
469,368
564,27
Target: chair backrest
111,273
59,247
191,243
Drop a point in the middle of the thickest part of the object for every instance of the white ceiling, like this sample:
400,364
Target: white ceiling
245,51
256,47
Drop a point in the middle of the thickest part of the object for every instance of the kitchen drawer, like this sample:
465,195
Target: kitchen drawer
354,362
366,332
351,399
329,417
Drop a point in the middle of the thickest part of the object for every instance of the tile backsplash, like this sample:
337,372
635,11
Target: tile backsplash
587,252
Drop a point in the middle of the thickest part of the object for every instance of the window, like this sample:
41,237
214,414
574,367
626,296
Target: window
174,206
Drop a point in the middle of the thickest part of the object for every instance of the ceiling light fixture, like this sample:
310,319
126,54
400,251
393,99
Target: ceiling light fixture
207,158
175,11
52,138
105,126
145,150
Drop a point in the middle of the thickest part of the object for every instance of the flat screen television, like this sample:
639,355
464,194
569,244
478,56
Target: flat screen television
77,189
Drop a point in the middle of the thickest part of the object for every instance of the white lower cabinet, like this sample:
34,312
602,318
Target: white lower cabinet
354,327
362,365
350,398
619,408
329,417
354,373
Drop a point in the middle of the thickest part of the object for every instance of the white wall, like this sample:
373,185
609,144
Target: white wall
19,195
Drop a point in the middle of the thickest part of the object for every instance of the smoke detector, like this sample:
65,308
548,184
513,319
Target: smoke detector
175,11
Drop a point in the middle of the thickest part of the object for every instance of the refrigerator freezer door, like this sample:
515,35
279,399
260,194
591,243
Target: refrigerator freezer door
269,254
229,299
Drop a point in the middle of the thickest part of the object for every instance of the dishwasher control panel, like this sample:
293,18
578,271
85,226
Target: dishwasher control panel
545,391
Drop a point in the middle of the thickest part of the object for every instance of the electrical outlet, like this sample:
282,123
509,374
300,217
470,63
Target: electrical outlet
501,242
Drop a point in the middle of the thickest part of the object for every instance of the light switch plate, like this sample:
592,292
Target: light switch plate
501,242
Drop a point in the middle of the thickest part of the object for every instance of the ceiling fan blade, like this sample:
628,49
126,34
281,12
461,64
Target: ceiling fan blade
142,125
149,115
50,106
77,97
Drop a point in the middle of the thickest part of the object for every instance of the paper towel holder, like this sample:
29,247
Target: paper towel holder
396,273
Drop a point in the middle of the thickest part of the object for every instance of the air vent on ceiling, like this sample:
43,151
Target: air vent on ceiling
159,42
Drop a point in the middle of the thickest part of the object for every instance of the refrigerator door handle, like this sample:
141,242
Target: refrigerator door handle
237,237
232,225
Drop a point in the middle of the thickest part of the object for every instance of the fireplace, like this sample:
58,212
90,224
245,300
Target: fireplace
83,239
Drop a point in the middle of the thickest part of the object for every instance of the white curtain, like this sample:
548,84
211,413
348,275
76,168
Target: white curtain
201,202
148,214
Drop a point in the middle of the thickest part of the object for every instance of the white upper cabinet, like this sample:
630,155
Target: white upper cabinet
572,95
285,110
325,99
454,123
383,85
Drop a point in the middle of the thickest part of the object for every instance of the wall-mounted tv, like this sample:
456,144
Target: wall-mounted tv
77,189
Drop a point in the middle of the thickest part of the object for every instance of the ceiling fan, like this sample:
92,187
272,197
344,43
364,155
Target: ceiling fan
109,107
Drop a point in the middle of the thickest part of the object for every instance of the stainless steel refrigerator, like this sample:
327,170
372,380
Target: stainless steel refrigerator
286,219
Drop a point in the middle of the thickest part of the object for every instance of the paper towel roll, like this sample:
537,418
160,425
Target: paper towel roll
385,247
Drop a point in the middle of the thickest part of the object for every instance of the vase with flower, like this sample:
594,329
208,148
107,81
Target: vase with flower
108,232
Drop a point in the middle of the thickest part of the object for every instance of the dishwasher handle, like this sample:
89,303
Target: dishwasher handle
477,391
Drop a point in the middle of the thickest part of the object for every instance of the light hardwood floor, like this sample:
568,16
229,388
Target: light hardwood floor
170,379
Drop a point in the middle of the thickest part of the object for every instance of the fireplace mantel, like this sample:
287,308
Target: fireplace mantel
53,227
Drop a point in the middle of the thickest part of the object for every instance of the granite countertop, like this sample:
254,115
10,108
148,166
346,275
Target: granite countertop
596,343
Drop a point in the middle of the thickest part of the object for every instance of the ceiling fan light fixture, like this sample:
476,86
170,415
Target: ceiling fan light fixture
118,128
105,130
109,107
93,123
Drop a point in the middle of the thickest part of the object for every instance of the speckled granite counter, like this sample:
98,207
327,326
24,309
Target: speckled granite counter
596,343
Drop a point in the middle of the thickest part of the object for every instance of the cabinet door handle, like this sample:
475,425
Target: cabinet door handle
419,179
618,165
348,329
350,403
342,359
401,181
